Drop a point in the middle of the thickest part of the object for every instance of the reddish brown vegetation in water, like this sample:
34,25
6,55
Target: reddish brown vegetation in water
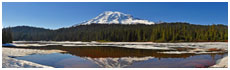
214,49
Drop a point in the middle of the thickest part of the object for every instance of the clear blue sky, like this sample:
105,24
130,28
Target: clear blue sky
55,15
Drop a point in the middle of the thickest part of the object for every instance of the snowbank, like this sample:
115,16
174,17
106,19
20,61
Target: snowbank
185,52
221,63
135,45
146,47
8,62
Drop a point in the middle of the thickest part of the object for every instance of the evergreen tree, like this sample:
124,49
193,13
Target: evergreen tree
7,35
164,32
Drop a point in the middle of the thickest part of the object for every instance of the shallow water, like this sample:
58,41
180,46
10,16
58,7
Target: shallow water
94,57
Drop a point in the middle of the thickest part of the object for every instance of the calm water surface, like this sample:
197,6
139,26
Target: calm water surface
96,57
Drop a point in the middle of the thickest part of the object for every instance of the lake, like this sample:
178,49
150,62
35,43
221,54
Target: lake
107,56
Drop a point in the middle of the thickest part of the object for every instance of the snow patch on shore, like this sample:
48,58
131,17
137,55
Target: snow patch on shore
135,45
145,47
8,62
221,63
186,52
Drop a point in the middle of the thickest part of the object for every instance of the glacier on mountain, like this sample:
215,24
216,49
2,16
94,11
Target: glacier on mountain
110,17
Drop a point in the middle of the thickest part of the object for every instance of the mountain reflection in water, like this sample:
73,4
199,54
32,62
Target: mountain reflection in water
92,56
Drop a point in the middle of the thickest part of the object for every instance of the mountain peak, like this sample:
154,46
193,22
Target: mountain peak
113,12
115,17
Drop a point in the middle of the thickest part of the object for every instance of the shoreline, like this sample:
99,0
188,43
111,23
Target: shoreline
125,41
8,62
192,47
221,63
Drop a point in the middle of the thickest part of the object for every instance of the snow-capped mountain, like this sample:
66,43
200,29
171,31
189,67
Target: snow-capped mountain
110,17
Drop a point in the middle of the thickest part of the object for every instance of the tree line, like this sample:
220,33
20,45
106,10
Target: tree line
7,35
164,32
